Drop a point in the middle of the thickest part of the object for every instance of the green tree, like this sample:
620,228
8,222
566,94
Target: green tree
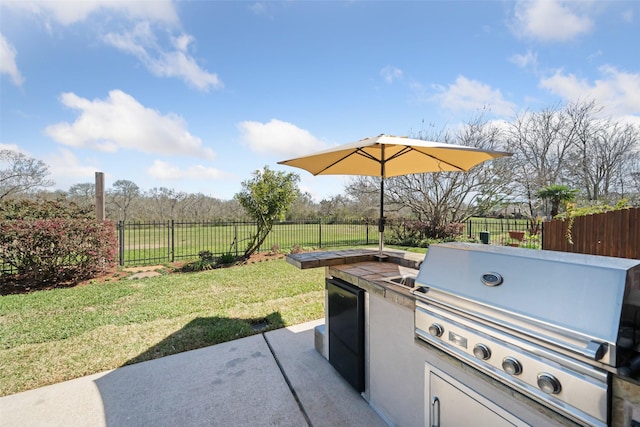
556,194
266,198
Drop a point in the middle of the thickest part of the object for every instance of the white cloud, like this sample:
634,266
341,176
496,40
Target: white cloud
527,60
70,12
627,16
278,138
66,169
141,42
259,8
550,20
617,90
390,73
121,122
8,63
470,95
166,171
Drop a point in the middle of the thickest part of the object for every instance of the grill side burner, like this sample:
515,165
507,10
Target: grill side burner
551,325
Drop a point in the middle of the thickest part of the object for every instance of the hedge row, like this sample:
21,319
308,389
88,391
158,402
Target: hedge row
57,250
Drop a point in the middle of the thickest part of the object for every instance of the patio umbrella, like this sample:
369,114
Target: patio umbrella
387,156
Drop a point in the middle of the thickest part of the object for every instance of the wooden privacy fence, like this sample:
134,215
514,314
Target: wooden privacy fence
615,233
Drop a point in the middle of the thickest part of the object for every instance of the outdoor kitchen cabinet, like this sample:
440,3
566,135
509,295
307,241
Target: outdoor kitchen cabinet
451,403
395,363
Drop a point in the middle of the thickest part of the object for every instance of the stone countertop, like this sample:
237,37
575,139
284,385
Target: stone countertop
365,269
351,256
372,276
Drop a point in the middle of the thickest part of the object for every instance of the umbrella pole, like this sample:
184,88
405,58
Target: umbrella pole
381,219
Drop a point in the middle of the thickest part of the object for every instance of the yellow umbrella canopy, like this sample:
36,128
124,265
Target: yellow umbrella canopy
387,156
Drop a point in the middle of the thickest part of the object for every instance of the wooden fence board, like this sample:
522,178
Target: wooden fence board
615,233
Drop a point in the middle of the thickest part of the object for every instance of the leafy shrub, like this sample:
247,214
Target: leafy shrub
206,256
227,258
57,250
42,209
421,233
208,261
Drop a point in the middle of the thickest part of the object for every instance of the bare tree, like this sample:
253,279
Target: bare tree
602,149
121,195
444,197
83,194
541,143
630,180
20,173
166,200
365,195
302,207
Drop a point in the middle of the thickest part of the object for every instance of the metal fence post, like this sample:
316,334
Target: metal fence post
172,237
121,242
367,228
319,232
235,237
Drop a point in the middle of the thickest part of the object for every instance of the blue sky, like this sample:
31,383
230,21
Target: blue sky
196,95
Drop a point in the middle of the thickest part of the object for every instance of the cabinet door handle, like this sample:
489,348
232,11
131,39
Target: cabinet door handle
435,412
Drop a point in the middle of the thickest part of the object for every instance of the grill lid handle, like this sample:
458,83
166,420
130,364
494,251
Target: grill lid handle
595,350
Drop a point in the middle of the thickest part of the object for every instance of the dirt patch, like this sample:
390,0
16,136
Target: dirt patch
23,284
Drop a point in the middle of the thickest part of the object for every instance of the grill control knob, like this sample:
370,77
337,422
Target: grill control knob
548,383
436,330
481,351
511,366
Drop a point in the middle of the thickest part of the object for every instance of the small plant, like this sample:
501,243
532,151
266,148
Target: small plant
275,249
225,259
531,242
206,262
206,256
297,249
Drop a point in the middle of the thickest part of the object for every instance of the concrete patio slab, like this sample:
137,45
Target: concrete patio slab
238,383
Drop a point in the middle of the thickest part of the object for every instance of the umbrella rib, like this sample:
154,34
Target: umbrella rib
439,160
336,162
363,153
407,148
400,153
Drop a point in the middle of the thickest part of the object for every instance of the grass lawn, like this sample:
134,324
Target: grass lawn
52,336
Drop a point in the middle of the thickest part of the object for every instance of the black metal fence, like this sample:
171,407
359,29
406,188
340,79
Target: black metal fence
141,243
505,231
148,243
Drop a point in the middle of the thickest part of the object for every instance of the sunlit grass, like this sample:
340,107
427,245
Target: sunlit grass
52,336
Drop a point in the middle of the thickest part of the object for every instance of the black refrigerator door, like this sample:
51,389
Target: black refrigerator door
346,331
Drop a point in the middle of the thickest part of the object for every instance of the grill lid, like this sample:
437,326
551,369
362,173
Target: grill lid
557,295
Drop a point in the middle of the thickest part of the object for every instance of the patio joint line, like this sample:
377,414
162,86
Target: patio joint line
286,380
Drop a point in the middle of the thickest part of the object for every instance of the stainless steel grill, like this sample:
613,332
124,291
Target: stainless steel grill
551,325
